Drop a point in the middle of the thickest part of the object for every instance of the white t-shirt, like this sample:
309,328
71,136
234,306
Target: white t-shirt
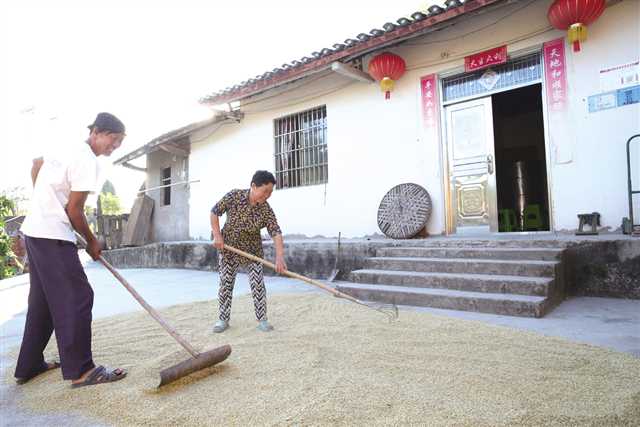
58,177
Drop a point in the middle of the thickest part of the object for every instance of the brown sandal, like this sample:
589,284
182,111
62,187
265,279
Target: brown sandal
102,375
50,366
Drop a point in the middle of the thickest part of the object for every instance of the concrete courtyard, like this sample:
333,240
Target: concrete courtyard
609,323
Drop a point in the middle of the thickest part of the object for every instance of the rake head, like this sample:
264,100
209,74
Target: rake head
390,310
191,365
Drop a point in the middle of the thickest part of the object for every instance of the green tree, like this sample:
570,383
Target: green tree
110,204
108,188
9,265
17,196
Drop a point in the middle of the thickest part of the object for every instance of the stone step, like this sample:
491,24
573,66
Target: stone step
495,242
472,266
537,254
520,285
504,304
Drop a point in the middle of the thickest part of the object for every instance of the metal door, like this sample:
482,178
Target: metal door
472,179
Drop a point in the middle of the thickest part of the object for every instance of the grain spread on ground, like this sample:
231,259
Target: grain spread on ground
330,362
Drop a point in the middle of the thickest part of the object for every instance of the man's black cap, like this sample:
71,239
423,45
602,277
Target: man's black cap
107,122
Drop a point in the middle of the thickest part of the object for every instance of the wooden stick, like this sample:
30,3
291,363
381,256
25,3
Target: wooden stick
144,304
296,275
150,309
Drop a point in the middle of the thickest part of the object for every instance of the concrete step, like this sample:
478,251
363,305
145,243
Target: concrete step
493,242
537,254
468,266
488,283
505,304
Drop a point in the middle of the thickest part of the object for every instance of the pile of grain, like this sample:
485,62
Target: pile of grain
331,362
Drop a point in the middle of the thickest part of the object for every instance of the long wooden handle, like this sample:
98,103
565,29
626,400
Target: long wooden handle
144,304
293,275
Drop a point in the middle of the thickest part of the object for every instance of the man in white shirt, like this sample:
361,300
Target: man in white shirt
60,296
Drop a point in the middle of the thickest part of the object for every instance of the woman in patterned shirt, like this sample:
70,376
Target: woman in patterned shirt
247,213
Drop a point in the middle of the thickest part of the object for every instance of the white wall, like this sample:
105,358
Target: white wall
375,144
372,145
168,222
596,178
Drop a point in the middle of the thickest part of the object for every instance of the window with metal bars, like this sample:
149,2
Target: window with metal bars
301,149
166,191
516,72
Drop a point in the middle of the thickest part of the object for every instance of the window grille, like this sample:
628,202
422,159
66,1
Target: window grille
516,72
166,191
301,149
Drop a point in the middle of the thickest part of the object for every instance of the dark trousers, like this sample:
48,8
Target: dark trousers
60,299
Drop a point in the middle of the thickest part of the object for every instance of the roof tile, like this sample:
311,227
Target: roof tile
418,16
435,10
388,27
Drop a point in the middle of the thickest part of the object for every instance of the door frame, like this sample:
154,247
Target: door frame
444,146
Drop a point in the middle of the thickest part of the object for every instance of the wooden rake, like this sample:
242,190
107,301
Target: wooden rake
390,310
197,361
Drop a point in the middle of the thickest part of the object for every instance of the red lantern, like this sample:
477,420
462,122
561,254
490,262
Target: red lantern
387,68
574,16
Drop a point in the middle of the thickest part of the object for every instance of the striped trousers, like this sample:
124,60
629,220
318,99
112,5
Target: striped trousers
228,269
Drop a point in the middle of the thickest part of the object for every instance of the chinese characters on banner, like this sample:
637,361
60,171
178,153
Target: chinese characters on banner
555,79
430,106
485,59
555,70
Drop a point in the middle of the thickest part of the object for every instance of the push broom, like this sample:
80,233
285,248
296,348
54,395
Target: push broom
197,362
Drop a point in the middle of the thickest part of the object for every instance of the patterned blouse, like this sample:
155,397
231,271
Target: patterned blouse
244,222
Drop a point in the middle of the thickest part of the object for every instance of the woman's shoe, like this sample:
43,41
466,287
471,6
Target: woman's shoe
220,326
265,326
